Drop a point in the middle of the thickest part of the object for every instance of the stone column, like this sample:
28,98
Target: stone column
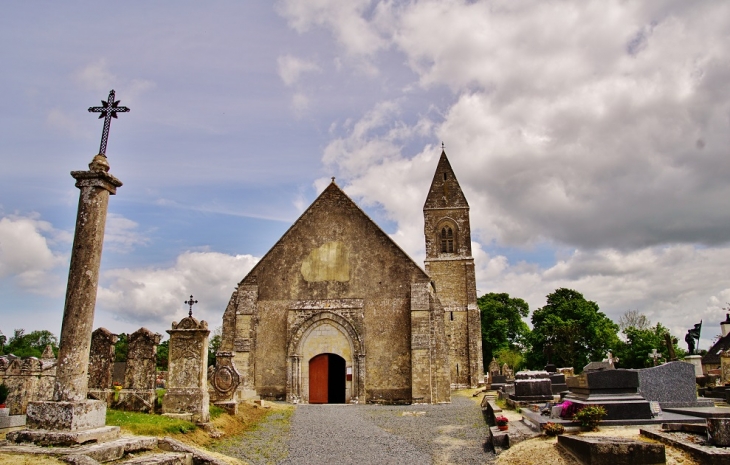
70,417
83,277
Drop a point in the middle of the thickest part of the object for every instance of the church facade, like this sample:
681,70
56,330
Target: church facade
337,312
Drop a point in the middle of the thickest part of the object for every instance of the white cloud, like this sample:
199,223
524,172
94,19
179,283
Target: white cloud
26,255
154,296
345,20
121,234
292,68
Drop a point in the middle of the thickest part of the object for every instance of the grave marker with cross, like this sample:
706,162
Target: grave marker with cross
191,302
654,355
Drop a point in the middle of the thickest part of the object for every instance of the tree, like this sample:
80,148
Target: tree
634,353
214,344
502,324
31,344
163,354
574,328
120,348
633,319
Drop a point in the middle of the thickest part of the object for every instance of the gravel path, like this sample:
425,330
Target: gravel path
373,434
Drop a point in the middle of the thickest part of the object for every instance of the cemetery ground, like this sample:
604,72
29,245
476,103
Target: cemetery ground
281,433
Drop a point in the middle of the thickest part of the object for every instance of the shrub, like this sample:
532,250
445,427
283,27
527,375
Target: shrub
553,429
590,416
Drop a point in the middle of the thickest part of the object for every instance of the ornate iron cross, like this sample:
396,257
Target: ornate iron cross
108,110
191,302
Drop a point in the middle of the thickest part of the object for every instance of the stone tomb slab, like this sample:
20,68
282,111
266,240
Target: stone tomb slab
601,450
615,390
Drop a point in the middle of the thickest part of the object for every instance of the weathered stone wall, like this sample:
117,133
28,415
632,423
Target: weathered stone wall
28,380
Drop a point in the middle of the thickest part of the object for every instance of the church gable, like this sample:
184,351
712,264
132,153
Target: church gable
333,248
445,191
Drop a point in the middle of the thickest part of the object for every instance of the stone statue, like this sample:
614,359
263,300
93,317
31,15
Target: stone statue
693,337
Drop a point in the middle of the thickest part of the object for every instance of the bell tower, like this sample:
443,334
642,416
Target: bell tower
450,265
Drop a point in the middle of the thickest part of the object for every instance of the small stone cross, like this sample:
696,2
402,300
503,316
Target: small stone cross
108,110
655,355
611,359
191,302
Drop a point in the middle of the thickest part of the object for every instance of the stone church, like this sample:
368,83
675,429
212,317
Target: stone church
337,312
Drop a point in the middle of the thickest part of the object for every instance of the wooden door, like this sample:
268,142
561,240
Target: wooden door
318,379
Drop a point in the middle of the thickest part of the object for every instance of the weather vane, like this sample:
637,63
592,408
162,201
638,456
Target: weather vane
191,302
108,110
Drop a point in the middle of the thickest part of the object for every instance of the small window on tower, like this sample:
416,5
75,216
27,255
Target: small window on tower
447,240
446,176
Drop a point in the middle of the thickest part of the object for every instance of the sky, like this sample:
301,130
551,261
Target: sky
590,138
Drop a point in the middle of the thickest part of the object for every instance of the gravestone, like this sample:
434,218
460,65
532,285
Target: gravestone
101,359
507,372
616,390
187,384
557,383
139,393
531,386
567,371
493,370
672,385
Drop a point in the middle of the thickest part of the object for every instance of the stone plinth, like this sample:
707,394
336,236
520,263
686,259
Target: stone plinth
612,451
187,383
535,374
616,390
695,360
66,416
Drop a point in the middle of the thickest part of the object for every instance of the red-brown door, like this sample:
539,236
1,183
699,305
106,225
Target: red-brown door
318,379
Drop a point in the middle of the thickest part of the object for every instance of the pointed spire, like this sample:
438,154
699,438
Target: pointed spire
445,191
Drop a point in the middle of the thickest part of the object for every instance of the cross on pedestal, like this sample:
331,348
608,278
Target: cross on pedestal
655,355
108,110
611,359
191,302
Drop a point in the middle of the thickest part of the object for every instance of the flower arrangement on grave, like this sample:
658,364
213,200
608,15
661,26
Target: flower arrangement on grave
590,416
117,385
502,422
4,392
569,409
553,429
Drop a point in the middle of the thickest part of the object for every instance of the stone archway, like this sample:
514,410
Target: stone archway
325,333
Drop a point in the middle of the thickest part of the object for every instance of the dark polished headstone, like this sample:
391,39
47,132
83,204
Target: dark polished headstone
616,390
557,383
551,368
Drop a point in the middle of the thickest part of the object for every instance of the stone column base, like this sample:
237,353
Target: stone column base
64,438
66,416
183,401
695,360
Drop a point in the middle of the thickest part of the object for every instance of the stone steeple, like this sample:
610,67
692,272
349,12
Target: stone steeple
450,265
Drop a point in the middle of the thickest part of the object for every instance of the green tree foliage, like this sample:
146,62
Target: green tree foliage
512,357
121,347
163,355
31,344
214,344
502,326
634,352
575,329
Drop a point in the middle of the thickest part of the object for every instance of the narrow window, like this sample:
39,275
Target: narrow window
446,176
447,240
452,316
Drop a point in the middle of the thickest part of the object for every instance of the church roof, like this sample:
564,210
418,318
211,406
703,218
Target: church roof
445,191
334,195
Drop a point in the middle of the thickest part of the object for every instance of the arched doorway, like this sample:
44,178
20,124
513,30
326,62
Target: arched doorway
327,379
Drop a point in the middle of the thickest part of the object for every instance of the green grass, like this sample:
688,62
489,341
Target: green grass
147,424
216,411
